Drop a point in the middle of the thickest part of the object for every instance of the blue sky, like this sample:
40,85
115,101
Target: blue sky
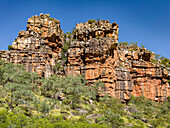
144,21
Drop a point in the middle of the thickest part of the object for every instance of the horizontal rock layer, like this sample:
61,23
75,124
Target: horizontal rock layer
94,52
39,47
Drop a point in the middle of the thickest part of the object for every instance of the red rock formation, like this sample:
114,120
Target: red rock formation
148,78
94,52
125,70
38,47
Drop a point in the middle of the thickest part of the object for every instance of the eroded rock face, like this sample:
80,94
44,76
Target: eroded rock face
96,29
38,48
124,69
95,59
94,52
149,79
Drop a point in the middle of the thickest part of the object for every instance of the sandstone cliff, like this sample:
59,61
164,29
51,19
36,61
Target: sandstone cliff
93,51
38,48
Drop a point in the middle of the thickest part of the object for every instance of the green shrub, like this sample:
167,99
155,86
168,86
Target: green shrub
3,118
64,51
142,46
91,21
9,47
97,37
17,120
124,43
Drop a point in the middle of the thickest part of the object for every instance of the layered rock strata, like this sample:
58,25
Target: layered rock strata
124,69
149,79
94,52
38,48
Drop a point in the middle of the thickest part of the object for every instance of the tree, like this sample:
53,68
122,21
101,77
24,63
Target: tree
157,56
9,47
165,61
17,85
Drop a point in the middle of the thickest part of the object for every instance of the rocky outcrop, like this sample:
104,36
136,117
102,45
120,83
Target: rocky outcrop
38,48
125,69
93,51
94,59
96,29
149,79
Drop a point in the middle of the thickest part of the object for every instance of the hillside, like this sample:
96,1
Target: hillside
29,101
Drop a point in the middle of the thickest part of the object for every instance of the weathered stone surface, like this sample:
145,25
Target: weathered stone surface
125,70
96,29
95,55
94,52
149,79
38,47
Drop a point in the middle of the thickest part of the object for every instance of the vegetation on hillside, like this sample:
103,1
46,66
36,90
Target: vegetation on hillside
158,58
63,102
